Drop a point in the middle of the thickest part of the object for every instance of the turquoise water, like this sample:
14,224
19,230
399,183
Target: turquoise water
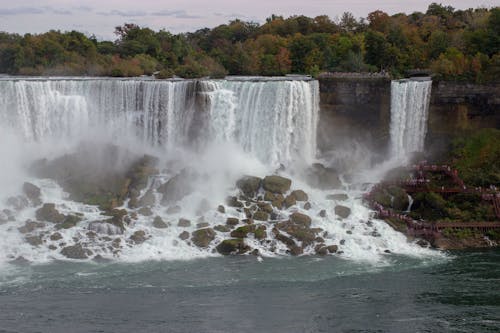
242,294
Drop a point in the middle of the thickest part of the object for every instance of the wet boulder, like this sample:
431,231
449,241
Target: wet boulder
69,221
49,213
332,248
232,221
276,184
300,219
185,223
232,246
184,235
203,237
233,202
76,252
289,201
139,237
221,209
243,231
159,223
293,248
146,211
177,187
32,192
260,232
56,236
222,228
249,185
34,240
300,195
260,216
30,226
342,211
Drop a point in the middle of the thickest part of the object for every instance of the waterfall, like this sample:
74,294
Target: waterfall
273,120
409,111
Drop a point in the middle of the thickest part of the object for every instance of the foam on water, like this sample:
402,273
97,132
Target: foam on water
220,129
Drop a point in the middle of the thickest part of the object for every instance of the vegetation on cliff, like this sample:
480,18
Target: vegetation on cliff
454,44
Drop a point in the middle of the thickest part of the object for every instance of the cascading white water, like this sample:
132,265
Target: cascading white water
244,126
409,111
274,121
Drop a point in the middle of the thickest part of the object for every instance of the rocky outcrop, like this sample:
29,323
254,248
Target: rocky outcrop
203,237
232,246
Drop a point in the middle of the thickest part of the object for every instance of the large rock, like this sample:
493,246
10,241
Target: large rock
30,226
76,252
276,184
34,240
184,223
322,177
139,237
159,223
249,185
178,187
98,175
49,213
290,244
300,219
203,237
32,192
300,195
342,211
232,246
243,231
290,201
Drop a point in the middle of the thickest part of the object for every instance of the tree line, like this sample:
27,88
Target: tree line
452,44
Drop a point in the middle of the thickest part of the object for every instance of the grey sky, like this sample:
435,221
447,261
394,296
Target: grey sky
99,17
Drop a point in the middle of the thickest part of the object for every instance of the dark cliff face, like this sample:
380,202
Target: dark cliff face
360,109
457,108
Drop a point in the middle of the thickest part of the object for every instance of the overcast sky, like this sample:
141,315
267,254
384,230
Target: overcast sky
99,17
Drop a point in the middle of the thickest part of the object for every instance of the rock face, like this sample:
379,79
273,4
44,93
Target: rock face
203,237
276,184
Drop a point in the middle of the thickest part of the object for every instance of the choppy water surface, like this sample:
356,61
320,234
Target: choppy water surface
242,294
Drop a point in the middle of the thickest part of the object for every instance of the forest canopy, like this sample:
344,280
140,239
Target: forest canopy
453,44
